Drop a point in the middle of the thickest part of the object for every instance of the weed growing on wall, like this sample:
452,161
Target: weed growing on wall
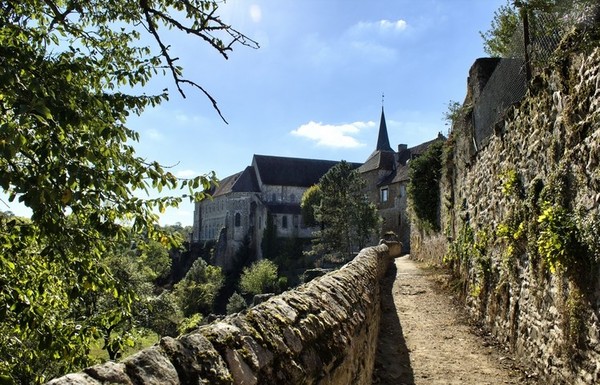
557,239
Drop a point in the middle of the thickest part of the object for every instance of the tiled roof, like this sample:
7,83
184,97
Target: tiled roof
402,174
379,160
244,181
282,171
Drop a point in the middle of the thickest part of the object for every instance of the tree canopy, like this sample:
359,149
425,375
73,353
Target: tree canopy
259,278
348,218
498,40
66,153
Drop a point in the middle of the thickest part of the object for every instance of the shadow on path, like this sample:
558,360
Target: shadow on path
392,364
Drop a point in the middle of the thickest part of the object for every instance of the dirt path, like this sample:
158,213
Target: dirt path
425,340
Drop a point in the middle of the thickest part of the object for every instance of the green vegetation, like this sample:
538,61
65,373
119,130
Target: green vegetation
68,77
456,112
310,199
259,278
236,303
197,291
498,40
424,187
348,220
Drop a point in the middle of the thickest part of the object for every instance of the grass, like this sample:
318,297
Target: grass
143,339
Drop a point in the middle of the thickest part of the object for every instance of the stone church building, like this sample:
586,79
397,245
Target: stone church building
273,186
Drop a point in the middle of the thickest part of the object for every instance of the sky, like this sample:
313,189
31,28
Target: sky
314,87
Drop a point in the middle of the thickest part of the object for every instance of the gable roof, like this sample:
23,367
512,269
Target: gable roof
244,181
379,160
282,171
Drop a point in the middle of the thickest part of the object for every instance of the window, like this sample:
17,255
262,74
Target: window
273,197
238,220
295,221
292,198
284,221
384,194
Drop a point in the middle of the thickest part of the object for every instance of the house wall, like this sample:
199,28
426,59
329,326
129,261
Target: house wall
282,194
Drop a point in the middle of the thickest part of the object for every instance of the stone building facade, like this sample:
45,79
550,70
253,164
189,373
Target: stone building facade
273,186
240,206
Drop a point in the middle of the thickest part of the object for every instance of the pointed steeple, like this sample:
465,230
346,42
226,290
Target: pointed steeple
383,142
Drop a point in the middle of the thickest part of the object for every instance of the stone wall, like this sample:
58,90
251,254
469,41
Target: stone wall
322,333
522,217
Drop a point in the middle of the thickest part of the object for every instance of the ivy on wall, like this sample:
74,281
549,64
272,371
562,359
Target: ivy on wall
424,187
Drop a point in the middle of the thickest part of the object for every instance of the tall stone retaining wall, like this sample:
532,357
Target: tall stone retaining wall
522,219
321,333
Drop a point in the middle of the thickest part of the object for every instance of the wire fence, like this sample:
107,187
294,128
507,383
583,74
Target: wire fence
531,48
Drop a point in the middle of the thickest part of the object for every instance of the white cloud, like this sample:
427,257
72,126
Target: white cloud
329,135
255,13
381,27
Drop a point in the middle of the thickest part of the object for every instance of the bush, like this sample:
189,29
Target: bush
197,291
259,278
236,303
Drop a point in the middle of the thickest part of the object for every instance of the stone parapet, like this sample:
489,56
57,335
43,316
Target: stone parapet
322,333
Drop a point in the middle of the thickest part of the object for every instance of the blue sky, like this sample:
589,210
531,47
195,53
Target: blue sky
313,88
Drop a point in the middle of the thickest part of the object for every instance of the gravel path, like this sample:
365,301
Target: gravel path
424,339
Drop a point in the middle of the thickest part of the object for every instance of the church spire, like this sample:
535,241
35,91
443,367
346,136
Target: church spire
383,142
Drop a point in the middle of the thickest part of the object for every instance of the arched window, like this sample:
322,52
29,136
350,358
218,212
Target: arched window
238,220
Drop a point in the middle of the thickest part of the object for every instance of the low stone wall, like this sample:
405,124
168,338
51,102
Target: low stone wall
321,333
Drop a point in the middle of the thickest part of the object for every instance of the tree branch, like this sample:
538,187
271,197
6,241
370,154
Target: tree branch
151,14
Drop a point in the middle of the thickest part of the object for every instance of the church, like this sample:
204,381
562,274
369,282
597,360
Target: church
273,186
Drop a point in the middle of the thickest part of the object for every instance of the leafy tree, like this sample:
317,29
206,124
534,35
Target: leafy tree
259,278
310,199
348,218
163,314
424,186
236,303
135,264
35,326
191,323
498,40
197,291
154,259
67,154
